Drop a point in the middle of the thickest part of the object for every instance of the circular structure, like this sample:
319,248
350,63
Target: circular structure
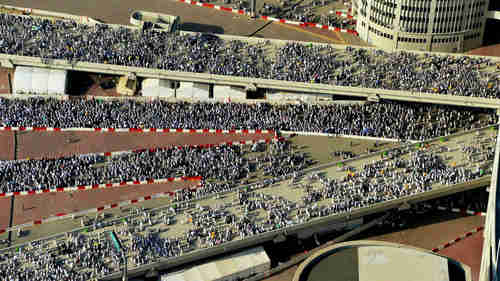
375,260
426,25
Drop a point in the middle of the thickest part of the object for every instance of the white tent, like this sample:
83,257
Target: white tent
22,80
39,80
234,267
191,90
57,82
152,87
229,93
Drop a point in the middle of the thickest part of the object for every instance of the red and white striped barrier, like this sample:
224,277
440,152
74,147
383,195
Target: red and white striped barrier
98,186
118,184
462,237
344,15
458,210
242,12
61,216
242,142
139,130
114,153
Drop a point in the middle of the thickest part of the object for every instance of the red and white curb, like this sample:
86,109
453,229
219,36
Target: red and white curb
115,153
118,184
344,15
462,237
242,12
61,216
242,142
98,186
138,130
457,210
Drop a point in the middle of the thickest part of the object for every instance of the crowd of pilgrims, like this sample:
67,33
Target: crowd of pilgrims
223,163
88,255
384,119
105,44
83,256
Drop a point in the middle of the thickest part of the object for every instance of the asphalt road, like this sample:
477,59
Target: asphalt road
193,18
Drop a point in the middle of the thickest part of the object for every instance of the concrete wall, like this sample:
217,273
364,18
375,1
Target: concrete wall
195,91
287,96
233,93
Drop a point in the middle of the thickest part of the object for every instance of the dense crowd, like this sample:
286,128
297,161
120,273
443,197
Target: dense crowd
99,43
391,177
221,163
384,119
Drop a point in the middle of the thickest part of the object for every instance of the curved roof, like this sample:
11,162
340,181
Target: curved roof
375,260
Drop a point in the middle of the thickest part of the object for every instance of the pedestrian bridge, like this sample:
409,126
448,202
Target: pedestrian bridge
202,80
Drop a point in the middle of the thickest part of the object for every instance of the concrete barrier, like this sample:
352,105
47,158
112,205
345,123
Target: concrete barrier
224,93
342,136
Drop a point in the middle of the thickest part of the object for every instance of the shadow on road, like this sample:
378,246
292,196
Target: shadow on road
198,27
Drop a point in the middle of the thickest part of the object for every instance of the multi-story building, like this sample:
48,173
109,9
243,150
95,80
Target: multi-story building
427,25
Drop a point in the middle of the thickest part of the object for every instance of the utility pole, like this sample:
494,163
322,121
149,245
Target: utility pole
253,9
118,246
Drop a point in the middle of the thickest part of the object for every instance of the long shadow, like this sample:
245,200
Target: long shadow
259,29
198,27
79,83
491,32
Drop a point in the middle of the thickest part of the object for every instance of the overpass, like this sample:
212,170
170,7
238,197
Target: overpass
251,84
293,194
315,225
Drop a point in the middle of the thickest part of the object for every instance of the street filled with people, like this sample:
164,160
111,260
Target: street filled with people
383,119
310,63
152,235
224,163
246,190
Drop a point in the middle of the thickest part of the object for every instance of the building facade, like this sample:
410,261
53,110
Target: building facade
425,25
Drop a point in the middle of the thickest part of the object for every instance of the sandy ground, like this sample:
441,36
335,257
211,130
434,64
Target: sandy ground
34,207
193,18
56,144
4,80
321,148
5,213
6,145
493,50
468,251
